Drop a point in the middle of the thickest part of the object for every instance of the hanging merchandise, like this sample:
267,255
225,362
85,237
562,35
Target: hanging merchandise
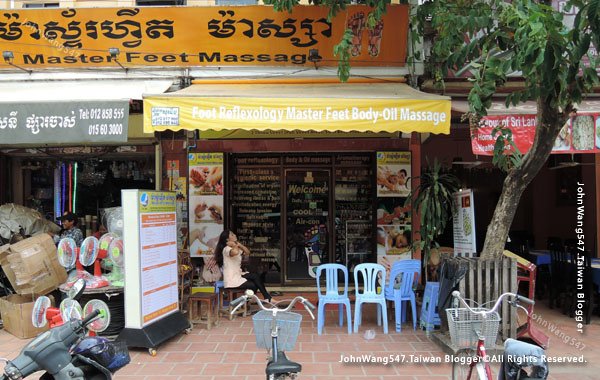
75,190
63,188
70,208
56,193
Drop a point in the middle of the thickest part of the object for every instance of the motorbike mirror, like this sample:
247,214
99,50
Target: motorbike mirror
77,289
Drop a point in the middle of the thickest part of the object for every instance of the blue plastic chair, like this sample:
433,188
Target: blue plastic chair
333,294
371,275
404,276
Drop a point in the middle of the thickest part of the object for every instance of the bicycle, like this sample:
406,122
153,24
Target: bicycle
471,327
276,330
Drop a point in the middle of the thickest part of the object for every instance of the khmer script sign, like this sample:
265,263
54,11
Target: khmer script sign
61,122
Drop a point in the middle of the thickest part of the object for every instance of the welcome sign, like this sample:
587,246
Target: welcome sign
200,36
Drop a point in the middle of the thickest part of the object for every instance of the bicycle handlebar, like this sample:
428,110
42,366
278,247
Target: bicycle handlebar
238,302
517,298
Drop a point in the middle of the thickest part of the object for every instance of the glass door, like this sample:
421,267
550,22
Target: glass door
307,218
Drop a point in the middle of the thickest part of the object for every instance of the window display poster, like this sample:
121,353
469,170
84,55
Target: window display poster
463,216
393,174
393,211
206,202
393,244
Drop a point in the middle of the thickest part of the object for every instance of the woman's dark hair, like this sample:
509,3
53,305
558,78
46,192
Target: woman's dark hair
220,246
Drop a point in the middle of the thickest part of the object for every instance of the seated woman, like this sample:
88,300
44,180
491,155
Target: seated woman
228,255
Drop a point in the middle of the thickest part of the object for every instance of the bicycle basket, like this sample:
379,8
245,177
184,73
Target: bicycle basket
464,326
288,324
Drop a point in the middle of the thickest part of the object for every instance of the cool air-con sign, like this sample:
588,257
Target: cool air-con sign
72,122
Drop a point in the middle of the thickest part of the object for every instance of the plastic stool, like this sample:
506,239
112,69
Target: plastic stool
429,317
209,300
225,296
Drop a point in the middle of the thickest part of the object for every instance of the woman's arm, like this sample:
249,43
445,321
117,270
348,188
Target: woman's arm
244,250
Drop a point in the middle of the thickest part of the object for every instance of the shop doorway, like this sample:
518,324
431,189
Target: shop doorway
307,222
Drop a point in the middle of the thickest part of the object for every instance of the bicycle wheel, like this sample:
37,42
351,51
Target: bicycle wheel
461,365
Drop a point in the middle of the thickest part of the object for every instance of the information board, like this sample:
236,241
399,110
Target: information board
463,216
150,239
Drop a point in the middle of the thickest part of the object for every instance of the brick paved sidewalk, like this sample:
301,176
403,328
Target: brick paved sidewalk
229,352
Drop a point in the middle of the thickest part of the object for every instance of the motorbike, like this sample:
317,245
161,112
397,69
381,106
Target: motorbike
65,353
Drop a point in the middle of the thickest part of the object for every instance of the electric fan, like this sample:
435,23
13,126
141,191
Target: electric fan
101,322
104,243
88,255
67,257
114,220
115,254
43,312
70,310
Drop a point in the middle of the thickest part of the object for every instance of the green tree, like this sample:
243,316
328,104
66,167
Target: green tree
498,38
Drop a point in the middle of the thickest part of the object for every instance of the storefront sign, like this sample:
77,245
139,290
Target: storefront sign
393,174
463,217
64,122
581,134
306,114
200,36
206,202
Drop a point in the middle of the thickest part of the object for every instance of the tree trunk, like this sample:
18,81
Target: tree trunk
550,122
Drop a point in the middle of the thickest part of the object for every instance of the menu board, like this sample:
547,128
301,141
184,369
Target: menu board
354,209
256,211
151,261
206,202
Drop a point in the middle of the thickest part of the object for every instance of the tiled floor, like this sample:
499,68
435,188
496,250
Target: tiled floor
229,352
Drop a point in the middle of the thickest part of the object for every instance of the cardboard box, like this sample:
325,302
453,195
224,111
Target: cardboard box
32,266
16,315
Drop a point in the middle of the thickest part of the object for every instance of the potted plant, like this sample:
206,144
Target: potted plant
432,200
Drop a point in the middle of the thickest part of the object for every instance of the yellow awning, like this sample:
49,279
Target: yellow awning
346,107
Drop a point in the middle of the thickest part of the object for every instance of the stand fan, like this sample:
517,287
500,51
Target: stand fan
43,312
67,257
104,243
101,322
115,254
88,255
70,310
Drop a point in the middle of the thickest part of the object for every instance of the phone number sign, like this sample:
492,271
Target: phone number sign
64,122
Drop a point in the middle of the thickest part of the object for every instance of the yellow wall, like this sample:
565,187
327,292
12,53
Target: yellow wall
91,3
107,3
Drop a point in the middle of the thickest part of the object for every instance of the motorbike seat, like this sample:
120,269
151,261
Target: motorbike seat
282,365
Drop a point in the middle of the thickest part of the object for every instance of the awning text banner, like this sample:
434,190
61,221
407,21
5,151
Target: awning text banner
200,36
581,134
302,114
364,115
64,122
